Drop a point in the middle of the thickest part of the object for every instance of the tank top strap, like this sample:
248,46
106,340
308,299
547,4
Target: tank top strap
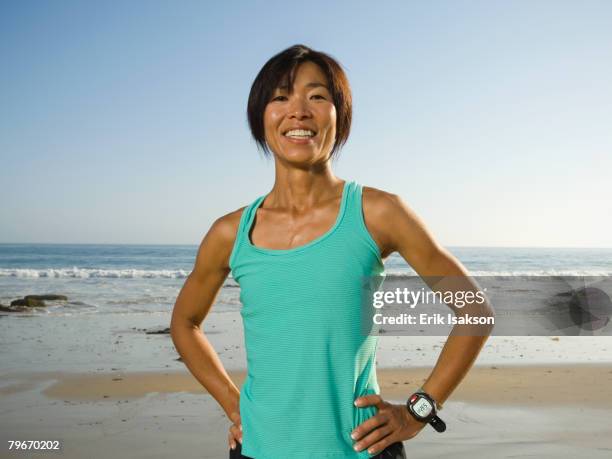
354,219
248,214
353,205
353,191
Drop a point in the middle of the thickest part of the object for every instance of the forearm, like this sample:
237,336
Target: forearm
455,360
465,341
203,362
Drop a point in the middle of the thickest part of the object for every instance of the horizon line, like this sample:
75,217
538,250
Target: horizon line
197,244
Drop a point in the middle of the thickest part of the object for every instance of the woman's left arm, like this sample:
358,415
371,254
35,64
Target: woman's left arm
397,228
402,231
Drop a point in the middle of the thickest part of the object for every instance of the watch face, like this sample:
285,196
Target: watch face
422,407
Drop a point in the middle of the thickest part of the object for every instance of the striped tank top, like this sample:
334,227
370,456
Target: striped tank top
307,356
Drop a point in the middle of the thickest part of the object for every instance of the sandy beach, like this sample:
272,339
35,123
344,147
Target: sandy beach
498,411
109,386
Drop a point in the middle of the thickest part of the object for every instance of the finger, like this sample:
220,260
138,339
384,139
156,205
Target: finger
236,433
367,426
365,400
230,439
376,441
380,446
238,422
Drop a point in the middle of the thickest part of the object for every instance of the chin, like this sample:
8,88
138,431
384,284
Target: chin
297,155
302,157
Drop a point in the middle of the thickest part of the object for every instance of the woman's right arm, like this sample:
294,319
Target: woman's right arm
192,305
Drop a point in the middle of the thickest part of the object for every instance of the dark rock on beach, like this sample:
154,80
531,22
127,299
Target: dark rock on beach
164,331
31,301
4,308
50,297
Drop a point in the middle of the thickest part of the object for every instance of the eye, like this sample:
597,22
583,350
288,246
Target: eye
283,97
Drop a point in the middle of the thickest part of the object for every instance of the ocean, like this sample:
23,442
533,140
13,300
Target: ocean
121,296
107,279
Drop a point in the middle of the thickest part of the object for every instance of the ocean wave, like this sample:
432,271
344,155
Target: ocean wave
131,273
86,273
527,272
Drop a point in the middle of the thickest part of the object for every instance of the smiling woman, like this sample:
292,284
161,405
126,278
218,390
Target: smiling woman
322,87
299,254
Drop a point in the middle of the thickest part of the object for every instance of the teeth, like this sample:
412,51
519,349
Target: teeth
299,133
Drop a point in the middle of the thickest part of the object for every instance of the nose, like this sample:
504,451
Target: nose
299,108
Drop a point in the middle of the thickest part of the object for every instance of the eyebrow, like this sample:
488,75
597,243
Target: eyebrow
312,84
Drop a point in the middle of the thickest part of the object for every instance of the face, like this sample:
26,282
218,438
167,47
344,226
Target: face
308,107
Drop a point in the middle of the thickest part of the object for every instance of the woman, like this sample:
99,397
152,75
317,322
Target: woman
299,254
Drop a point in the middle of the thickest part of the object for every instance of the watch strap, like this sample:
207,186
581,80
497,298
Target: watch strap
437,424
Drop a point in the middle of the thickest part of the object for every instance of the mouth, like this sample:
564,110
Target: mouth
299,134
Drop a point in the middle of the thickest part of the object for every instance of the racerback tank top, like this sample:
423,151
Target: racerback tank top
307,359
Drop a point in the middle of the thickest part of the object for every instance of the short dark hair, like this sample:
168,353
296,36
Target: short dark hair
281,67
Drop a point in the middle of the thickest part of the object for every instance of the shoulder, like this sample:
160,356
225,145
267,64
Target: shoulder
218,242
226,226
385,207
379,201
393,223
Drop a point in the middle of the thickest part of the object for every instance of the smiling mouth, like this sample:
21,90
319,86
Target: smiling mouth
300,134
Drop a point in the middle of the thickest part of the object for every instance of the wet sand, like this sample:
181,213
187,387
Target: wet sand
498,411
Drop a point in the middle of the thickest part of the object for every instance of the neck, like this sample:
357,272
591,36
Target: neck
299,189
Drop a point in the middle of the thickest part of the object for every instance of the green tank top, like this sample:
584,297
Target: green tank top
307,359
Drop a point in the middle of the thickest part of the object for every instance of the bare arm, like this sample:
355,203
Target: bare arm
192,306
397,228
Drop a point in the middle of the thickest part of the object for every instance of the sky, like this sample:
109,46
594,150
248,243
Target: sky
125,122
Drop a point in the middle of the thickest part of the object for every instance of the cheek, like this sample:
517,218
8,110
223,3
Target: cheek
330,117
330,114
269,124
271,116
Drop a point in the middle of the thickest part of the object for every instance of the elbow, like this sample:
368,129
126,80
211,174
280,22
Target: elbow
174,324
179,326
174,332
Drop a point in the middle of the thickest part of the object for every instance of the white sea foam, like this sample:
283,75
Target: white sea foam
134,273
525,272
85,273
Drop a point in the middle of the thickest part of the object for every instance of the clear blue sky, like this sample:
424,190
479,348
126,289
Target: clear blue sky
125,122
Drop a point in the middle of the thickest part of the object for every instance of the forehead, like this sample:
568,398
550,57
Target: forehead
307,75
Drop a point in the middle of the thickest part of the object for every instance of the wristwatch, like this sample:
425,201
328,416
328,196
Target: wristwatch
422,407
438,405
